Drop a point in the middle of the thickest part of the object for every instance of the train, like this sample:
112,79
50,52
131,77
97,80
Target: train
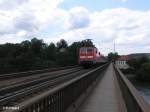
89,56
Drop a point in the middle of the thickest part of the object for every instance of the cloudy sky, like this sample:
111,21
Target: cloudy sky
125,22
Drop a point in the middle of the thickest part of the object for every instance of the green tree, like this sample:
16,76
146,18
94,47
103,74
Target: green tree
87,43
35,54
62,54
37,45
112,56
144,72
26,45
141,68
137,63
51,52
62,44
74,52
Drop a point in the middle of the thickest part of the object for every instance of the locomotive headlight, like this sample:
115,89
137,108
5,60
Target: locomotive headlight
82,56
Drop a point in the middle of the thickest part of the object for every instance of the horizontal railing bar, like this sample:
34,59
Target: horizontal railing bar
142,103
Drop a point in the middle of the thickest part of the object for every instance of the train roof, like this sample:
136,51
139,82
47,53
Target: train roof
88,47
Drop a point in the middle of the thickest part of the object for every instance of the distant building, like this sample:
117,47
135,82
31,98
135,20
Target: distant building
122,62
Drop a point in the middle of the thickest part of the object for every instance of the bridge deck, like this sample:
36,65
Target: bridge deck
105,96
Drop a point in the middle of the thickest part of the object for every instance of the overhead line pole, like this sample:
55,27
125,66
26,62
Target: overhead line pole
114,47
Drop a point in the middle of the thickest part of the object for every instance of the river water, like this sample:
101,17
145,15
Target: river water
143,88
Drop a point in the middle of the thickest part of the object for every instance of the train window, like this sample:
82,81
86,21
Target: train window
89,50
83,50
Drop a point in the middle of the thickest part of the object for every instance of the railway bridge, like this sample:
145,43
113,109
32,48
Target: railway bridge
102,89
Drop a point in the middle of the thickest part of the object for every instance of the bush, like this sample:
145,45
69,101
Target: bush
137,63
128,71
143,73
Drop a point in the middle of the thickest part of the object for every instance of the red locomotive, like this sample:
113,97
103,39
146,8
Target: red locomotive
90,56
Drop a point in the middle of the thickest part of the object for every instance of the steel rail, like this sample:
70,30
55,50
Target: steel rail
32,72
8,90
60,97
33,82
39,87
17,81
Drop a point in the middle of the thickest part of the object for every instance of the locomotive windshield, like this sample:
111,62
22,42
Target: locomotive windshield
86,50
89,50
83,50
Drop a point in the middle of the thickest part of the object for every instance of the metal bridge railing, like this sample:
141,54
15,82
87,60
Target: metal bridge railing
133,100
61,97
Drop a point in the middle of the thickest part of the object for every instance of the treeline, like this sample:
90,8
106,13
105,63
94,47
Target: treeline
113,56
141,68
35,54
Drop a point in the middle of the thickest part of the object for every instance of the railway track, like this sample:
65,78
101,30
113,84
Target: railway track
33,90
16,93
33,72
20,79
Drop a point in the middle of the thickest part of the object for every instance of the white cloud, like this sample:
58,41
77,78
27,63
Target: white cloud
123,0
70,36
21,33
10,5
13,38
78,17
29,16
129,28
